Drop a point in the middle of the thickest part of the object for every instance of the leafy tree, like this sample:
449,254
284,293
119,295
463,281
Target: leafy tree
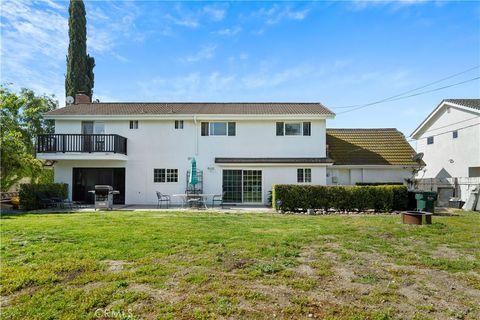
79,76
21,121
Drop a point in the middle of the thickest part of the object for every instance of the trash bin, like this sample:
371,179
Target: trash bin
426,201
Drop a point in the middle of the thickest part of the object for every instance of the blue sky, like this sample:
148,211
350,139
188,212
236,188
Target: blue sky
337,53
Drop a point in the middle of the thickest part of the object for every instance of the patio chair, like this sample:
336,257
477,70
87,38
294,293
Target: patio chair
57,201
45,201
218,198
162,198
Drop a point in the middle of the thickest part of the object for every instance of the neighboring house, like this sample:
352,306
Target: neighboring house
450,139
241,149
369,156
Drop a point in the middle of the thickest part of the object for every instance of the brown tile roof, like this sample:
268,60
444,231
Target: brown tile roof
469,103
369,147
160,108
273,160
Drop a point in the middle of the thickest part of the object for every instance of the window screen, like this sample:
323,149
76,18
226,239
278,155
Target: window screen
133,124
307,128
279,128
231,128
178,124
204,128
158,175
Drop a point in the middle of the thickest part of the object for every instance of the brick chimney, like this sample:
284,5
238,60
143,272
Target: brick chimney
82,98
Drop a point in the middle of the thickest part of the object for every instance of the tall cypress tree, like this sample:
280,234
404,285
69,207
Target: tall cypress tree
79,76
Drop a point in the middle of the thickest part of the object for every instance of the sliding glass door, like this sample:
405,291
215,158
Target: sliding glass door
242,186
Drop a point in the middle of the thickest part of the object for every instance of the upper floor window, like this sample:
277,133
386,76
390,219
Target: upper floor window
430,140
93,127
165,175
294,128
218,128
304,175
178,124
455,134
133,124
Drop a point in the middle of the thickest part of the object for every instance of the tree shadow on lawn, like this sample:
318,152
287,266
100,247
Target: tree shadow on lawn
9,214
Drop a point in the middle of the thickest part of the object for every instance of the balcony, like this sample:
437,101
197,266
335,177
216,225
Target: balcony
81,146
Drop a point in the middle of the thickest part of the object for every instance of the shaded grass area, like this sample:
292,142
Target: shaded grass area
214,265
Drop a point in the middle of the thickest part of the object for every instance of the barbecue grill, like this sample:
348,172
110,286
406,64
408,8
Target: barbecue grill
104,196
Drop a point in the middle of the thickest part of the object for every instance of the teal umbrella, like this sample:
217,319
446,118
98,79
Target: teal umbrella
193,180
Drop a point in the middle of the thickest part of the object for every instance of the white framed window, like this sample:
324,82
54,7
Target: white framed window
98,127
158,175
165,175
293,128
172,175
133,124
218,129
304,175
178,124
455,134
430,140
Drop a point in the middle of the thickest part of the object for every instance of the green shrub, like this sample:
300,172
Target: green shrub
343,198
28,193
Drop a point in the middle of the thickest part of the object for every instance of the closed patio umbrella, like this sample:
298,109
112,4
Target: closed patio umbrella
193,180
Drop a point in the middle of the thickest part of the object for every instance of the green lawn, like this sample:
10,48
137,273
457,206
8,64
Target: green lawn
149,265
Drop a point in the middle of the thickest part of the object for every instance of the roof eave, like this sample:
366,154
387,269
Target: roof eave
188,116
417,132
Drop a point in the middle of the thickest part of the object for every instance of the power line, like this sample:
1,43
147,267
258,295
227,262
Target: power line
451,124
445,132
409,91
412,95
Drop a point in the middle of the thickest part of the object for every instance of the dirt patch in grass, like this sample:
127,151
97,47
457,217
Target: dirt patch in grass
5,301
115,265
445,252
69,275
305,270
232,264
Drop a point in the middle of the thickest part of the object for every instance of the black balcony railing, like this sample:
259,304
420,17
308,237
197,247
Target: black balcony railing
48,143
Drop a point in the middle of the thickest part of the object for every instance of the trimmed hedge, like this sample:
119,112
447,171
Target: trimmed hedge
28,193
342,198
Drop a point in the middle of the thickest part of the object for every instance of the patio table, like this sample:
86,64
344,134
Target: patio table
201,197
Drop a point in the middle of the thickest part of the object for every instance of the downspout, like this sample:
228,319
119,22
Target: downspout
196,134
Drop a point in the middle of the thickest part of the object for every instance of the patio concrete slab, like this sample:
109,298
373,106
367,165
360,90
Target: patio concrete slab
153,208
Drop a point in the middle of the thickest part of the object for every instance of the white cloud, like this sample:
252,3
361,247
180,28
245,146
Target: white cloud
229,32
362,4
184,21
216,14
206,53
35,40
268,79
277,13
217,85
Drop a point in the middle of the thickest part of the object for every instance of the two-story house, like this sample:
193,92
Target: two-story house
241,149
450,139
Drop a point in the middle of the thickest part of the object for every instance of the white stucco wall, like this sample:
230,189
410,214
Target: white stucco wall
157,144
449,157
368,174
